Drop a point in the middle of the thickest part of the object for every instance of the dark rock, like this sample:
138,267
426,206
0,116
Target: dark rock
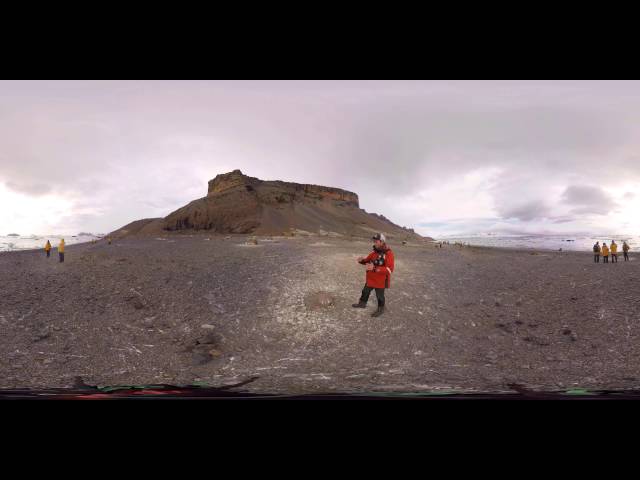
41,336
504,327
210,338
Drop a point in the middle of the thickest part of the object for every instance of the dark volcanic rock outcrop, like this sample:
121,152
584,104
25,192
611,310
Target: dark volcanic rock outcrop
237,203
277,192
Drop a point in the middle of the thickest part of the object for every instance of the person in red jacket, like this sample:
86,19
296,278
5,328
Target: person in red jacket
379,264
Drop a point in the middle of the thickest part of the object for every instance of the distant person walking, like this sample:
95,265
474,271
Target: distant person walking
605,253
625,250
61,250
380,263
614,252
596,252
47,248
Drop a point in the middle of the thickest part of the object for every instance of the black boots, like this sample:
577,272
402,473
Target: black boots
377,313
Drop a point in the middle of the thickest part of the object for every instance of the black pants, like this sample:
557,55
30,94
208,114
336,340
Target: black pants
605,258
626,256
596,258
61,257
614,257
366,291
48,253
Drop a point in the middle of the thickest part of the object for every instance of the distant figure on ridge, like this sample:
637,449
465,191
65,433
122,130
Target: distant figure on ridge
47,248
380,263
596,252
61,250
605,253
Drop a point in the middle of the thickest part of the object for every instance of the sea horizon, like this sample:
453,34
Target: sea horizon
566,242
9,243
581,242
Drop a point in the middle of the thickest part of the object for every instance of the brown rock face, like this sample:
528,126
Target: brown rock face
227,181
237,203
277,192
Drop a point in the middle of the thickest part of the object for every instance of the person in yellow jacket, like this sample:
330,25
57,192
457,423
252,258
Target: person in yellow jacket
47,248
614,251
61,250
625,250
605,253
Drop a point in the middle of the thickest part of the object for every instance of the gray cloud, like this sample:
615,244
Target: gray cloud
588,200
563,219
36,189
529,211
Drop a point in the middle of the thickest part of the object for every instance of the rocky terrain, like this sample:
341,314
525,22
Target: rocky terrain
276,312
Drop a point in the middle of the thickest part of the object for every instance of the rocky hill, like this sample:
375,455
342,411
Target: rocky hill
237,203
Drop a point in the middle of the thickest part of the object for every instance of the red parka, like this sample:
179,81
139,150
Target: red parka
380,276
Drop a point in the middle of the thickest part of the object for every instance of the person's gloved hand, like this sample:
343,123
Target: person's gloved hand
360,259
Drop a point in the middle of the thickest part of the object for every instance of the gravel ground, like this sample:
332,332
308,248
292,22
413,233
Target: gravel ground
217,311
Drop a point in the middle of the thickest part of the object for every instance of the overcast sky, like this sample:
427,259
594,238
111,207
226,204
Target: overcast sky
443,157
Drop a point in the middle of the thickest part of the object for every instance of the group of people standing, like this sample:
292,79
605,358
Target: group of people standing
47,248
612,249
